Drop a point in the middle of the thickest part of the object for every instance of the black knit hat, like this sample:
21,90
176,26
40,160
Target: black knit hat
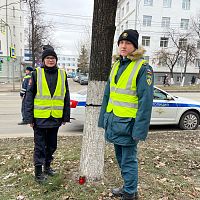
49,52
130,35
29,68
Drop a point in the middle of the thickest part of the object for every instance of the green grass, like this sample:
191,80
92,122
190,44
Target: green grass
169,168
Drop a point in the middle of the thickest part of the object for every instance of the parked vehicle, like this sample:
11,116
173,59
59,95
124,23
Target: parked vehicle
167,109
83,79
76,78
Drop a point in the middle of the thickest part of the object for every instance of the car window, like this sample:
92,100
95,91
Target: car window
159,95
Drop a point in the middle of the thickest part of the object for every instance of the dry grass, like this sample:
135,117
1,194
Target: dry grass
169,168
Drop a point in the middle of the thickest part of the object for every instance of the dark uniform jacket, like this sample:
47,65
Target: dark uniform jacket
25,84
122,130
51,75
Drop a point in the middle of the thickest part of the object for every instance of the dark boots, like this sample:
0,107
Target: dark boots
48,170
39,176
127,196
119,192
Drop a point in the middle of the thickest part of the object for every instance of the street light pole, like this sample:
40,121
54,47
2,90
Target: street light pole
136,13
7,45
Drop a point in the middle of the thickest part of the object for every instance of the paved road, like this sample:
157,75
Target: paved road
10,105
10,115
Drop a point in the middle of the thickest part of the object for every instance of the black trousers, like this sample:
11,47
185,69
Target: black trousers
45,140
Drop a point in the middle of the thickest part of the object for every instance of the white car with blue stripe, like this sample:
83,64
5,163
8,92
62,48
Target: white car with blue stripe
167,109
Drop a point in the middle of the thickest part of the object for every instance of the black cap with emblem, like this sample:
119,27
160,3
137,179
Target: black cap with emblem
130,35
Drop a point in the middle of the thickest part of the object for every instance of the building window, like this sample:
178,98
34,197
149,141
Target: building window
147,20
20,37
122,28
20,20
197,63
198,44
14,31
146,58
148,2
127,7
13,11
146,41
178,78
167,3
184,24
186,4
182,42
123,12
127,25
1,67
164,42
165,22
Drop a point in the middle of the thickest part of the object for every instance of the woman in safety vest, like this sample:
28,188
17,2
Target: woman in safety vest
126,109
47,108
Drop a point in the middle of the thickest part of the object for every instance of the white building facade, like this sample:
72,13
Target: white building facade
153,19
11,38
68,62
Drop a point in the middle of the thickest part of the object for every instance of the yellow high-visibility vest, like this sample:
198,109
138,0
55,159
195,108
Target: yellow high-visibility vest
123,100
45,105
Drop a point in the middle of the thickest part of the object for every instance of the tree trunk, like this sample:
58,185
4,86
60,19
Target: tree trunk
171,78
183,81
103,29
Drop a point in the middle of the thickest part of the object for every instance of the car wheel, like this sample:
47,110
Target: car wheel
189,121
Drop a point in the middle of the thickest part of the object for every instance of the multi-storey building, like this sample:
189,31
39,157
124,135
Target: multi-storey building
11,39
68,62
154,19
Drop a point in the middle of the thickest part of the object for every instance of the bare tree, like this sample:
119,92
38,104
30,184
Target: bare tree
103,29
171,55
196,29
189,55
39,32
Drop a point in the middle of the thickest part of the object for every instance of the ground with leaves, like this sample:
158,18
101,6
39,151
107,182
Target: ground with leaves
169,169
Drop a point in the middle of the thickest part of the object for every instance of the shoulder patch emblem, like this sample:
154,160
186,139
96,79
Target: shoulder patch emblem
149,78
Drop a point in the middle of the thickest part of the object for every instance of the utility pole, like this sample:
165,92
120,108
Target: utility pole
7,45
136,13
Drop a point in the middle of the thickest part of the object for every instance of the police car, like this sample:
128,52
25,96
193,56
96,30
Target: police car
167,109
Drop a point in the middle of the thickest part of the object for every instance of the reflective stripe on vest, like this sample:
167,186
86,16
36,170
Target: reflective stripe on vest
123,100
45,105
27,76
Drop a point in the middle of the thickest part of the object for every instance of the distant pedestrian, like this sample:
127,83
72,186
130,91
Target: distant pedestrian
193,80
47,108
166,80
23,92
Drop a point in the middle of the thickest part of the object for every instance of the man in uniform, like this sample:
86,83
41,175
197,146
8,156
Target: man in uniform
47,108
23,92
126,109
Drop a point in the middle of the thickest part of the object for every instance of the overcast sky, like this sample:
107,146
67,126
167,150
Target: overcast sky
71,21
